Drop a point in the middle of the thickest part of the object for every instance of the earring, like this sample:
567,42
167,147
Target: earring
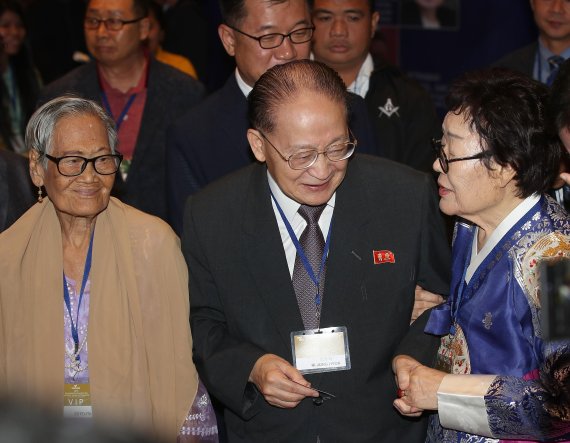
40,198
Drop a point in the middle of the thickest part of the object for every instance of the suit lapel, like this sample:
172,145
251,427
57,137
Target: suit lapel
348,250
235,120
266,258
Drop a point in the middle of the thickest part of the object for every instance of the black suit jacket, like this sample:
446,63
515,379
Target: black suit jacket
406,130
16,189
170,93
210,141
521,60
243,303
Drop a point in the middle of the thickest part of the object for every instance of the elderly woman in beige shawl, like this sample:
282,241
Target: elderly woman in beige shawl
94,293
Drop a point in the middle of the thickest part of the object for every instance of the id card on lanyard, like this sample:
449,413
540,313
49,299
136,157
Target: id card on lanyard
321,349
77,396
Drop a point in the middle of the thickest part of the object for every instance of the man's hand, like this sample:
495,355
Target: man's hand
418,383
280,383
424,300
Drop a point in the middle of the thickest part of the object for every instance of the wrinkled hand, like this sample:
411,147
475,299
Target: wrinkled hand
281,384
423,301
419,383
566,177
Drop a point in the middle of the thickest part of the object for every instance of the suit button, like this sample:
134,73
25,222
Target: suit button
318,401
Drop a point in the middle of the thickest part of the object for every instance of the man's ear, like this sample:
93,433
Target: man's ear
36,169
144,29
228,38
256,144
374,23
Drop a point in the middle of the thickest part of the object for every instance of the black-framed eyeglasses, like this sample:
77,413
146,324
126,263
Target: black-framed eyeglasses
274,40
307,158
73,165
112,24
444,161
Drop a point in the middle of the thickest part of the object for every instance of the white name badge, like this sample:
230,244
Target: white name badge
321,350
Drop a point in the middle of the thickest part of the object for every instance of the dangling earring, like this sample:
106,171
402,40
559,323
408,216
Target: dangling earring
40,198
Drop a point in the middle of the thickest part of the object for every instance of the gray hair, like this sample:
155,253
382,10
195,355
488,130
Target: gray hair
39,132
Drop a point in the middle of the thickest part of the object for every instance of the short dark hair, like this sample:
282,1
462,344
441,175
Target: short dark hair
508,111
284,82
140,7
371,5
559,104
234,11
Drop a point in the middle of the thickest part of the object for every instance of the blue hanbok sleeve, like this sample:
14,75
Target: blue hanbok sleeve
508,407
533,409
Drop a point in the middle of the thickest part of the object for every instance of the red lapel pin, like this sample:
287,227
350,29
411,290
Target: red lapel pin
383,256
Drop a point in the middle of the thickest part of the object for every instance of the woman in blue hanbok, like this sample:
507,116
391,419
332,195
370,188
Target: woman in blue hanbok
495,377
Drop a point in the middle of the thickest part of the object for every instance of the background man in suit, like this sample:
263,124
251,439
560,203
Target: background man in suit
384,235
401,112
16,195
209,141
143,96
542,58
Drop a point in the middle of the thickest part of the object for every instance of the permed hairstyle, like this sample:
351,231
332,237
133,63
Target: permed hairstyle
284,82
508,112
40,129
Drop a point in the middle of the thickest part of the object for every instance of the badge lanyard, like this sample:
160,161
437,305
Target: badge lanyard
123,113
66,298
315,278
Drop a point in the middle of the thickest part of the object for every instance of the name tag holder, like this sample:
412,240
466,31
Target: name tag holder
321,350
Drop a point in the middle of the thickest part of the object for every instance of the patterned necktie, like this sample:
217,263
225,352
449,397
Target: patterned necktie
554,62
313,245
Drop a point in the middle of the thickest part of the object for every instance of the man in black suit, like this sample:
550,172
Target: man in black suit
541,59
142,95
401,112
209,141
243,242
16,195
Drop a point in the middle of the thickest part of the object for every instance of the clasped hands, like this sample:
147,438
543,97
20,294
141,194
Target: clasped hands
417,384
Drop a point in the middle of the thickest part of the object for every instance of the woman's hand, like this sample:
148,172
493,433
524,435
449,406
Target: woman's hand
418,385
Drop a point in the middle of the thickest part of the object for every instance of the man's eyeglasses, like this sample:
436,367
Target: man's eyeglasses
307,158
73,165
112,24
444,161
274,40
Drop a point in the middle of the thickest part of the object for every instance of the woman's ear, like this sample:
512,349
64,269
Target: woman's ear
37,170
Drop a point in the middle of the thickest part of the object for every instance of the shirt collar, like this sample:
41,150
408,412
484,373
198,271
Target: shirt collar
245,88
287,204
545,53
508,222
361,83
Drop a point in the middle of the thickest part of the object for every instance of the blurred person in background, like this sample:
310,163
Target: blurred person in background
401,112
16,195
20,79
542,58
155,39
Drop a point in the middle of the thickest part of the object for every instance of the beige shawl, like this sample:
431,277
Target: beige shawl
140,348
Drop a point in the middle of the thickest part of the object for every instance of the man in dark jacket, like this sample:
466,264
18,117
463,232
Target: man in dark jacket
401,112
